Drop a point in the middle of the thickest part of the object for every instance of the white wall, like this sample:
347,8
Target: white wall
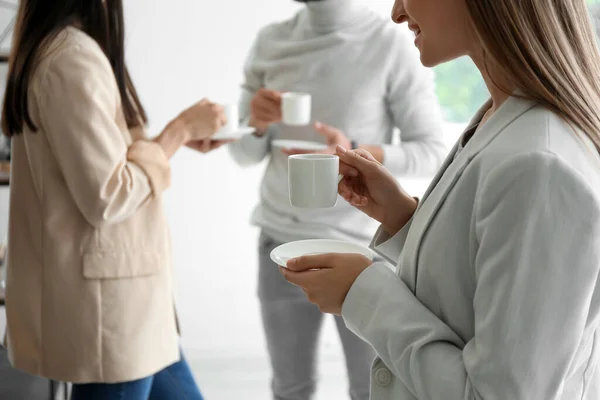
178,52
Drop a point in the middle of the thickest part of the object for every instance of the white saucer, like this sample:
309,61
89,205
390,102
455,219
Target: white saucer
287,251
242,130
298,144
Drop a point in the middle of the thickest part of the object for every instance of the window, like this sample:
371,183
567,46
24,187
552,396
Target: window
461,90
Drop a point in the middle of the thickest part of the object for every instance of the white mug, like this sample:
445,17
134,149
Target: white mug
233,118
313,180
296,108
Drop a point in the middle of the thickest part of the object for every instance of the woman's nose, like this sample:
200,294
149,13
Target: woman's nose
398,12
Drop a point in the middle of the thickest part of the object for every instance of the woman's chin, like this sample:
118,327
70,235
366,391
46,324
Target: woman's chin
428,62
426,57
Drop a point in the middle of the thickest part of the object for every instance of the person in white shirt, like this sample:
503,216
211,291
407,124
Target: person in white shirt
496,292
365,80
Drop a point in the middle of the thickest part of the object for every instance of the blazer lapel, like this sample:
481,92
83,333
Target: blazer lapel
449,174
449,160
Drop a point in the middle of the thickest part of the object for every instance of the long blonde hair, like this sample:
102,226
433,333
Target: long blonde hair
548,50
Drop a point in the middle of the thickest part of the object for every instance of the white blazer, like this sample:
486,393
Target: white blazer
495,295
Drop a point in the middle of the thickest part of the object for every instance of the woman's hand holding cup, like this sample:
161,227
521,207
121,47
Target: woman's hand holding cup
370,187
202,120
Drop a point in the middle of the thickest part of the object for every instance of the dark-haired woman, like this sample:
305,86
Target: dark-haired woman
89,288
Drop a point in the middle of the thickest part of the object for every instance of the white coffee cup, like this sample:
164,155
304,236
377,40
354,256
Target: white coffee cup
233,118
296,108
313,180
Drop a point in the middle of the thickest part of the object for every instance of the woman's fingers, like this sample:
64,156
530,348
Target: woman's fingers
359,201
345,190
359,155
361,160
348,170
352,190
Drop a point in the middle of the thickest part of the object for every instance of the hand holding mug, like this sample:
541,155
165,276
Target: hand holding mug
371,188
265,109
202,120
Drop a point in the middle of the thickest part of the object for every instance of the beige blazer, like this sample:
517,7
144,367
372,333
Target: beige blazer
89,285
496,291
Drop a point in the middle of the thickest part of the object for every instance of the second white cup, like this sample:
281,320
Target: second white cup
231,113
296,108
313,180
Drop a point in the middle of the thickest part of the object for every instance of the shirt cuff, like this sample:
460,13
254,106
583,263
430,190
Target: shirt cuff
363,295
390,247
151,158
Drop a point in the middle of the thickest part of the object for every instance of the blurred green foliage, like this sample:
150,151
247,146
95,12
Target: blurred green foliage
460,89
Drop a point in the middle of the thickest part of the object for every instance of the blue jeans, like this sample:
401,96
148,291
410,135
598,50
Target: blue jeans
175,382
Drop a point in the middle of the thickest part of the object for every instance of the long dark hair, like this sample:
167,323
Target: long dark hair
38,23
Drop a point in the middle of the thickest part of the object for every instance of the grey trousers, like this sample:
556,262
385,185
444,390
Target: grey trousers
292,325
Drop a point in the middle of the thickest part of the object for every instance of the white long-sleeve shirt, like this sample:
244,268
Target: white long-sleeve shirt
366,79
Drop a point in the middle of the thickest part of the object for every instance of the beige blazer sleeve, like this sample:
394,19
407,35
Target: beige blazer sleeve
78,106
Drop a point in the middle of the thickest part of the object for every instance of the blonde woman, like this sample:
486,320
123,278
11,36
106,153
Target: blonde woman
496,294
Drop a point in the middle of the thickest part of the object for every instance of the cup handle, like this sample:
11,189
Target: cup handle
340,177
